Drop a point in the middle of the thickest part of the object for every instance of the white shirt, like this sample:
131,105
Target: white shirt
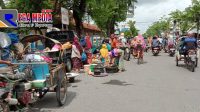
75,52
160,40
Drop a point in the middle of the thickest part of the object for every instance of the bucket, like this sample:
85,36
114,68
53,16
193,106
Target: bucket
86,69
40,71
92,66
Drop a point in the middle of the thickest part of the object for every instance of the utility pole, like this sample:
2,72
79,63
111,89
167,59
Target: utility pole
197,18
174,29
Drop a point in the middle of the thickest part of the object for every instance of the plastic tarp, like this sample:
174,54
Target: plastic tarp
5,40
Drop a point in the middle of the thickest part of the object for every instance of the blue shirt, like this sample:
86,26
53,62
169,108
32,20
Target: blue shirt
191,39
155,43
190,43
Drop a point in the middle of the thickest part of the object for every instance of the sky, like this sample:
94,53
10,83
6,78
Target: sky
149,11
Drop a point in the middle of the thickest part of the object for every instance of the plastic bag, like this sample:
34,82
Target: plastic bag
67,45
83,42
14,38
83,56
5,40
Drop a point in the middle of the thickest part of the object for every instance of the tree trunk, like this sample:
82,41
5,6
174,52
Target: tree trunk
2,4
111,27
78,22
108,29
78,13
55,6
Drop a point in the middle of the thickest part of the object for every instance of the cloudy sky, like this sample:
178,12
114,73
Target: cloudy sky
149,11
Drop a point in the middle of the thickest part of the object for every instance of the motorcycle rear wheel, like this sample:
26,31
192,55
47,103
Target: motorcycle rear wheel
177,62
193,66
196,63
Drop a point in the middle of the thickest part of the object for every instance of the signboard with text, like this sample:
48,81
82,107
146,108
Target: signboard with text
65,16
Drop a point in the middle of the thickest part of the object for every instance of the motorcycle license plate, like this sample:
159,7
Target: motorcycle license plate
172,49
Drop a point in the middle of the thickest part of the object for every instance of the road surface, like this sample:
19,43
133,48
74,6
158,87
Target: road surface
155,86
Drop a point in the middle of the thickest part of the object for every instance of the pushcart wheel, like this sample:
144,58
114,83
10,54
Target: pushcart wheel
176,62
61,90
68,64
193,66
196,63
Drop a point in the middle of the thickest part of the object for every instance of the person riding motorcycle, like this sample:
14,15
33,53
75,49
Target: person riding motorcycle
139,49
133,44
189,43
171,43
155,43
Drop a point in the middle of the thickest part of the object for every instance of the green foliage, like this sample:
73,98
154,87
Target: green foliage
101,11
158,27
134,31
128,34
106,13
2,4
186,19
30,6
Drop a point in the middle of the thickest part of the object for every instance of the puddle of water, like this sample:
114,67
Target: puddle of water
117,82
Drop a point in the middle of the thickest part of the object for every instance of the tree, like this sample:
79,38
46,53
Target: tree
158,27
128,34
106,13
101,11
133,29
2,4
79,8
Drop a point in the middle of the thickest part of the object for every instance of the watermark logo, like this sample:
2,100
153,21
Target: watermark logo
8,18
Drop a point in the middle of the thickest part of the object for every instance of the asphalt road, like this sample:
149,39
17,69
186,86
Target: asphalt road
155,86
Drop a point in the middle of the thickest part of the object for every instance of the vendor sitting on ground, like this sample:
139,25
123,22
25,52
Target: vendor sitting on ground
104,55
120,57
113,54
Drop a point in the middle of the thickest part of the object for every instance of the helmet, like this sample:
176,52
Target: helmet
5,40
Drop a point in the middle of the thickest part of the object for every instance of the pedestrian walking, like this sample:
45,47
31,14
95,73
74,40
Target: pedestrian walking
76,55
